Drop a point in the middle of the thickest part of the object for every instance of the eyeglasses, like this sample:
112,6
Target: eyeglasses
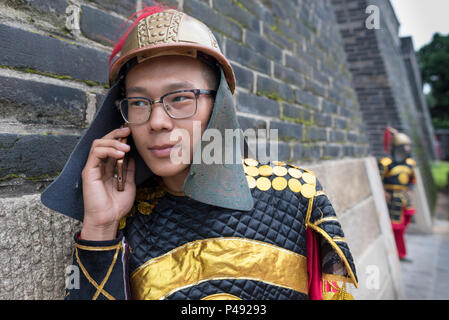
179,104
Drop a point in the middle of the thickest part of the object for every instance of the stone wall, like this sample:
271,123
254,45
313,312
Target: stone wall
414,76
387,81
292,75
35,249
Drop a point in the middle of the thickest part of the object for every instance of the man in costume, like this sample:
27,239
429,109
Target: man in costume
397,173
246,230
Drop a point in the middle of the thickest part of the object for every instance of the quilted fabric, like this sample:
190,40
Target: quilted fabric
244,289
278,218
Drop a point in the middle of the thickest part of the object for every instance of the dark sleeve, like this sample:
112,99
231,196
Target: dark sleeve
99,270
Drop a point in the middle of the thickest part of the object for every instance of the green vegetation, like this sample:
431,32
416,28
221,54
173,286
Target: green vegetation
440,172
434,65
240,5
276,29
274,96
270,95
298,120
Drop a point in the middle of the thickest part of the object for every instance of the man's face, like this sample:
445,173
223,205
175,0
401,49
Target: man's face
153,79
407,148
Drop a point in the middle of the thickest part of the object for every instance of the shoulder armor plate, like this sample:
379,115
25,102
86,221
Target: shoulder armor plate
385,161
280,176
411,162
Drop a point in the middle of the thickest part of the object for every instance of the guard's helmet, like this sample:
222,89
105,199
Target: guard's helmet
158,32
401,139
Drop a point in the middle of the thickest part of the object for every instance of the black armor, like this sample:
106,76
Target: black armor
185,249
398,177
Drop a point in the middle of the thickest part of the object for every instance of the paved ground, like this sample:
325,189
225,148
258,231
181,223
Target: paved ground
427,276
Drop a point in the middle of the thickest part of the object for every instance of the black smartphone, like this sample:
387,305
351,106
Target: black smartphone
121,167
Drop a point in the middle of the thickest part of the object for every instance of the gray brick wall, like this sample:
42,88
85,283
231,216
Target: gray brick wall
415,81
288,58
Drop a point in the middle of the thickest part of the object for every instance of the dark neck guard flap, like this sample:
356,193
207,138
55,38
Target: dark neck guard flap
222,185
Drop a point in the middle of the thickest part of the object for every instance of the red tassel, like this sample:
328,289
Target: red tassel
145,12
387,139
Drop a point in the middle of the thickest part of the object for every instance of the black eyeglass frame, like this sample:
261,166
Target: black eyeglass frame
197,93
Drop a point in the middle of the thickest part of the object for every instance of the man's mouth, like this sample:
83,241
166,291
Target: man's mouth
163,151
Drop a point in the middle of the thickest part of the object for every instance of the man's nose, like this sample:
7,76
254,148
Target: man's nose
159,119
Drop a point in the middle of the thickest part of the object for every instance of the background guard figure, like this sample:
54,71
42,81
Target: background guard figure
398,178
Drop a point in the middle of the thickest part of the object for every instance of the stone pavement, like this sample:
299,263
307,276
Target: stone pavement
426,277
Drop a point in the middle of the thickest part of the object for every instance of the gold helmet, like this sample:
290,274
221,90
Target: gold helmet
400,139
168,32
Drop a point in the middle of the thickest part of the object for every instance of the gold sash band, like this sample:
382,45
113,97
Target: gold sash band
215,259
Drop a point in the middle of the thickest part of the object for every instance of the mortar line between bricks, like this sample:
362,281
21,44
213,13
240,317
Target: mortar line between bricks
272,77
241,89
8,71
104,10
257,117
86,42
21,129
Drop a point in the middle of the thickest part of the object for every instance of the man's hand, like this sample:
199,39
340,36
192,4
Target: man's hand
104,206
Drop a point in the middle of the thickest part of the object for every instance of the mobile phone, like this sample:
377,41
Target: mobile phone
121,167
